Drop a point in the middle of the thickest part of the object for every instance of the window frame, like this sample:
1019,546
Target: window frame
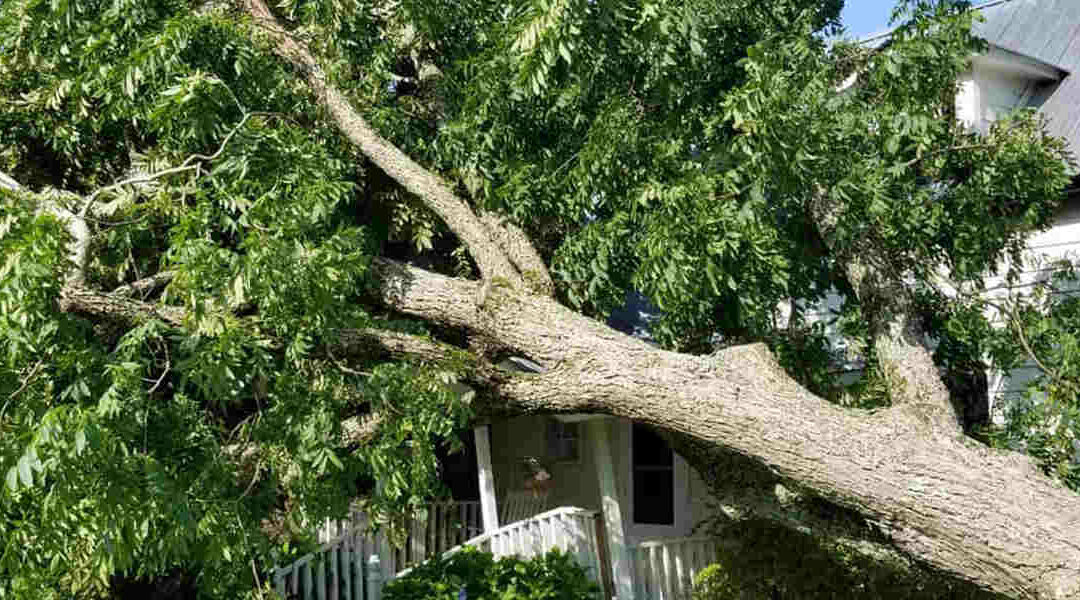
641,531
552,424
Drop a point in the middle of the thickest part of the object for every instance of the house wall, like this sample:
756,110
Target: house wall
1060,242
575,483
986,93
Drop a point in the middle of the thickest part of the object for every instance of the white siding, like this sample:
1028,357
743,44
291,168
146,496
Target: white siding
1060,242
989,91
998,93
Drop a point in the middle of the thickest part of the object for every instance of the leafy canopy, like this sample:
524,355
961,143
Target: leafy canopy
671,148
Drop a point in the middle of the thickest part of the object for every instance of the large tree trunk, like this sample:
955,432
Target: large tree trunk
985,516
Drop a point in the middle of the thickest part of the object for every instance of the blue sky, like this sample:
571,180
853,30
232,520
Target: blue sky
863,17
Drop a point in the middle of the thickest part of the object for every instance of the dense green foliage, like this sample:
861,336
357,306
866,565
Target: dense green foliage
775,563
551,576
666,147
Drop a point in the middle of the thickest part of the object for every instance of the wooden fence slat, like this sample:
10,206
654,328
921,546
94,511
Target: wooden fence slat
320,577
374,578
308,584
335,581
684,587
359,562
346,565
431,531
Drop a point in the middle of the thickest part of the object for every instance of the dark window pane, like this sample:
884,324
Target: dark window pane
654,478
562,440
654,493
651,449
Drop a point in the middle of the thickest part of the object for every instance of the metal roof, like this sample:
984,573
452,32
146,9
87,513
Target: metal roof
1047,31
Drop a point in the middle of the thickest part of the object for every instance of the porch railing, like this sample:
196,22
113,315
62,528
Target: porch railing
353,562
350,567
448,524
571,530
666,569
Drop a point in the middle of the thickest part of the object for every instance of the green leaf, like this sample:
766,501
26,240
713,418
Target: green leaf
26,473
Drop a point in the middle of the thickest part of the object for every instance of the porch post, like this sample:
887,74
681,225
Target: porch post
488,504
621,565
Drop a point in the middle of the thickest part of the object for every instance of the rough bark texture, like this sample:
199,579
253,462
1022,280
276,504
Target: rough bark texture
984,516
900,342
146,287
517,246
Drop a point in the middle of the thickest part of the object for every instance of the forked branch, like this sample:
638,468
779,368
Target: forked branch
432,190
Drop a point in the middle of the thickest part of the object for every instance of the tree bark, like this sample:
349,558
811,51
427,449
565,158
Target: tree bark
519,249
986,516
900,343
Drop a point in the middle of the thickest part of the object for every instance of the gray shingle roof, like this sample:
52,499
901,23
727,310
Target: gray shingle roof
1049,31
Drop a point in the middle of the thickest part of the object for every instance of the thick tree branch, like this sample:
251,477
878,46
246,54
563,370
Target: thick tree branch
930,496
519,248
146,286
982,515
429,187
900,343
116,308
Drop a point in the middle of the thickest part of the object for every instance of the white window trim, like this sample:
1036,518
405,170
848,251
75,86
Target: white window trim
643,531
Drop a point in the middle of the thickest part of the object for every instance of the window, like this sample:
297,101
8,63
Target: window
653,465
562,441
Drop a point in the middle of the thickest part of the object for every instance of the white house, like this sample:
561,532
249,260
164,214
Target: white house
646,496
1034,51
625,469
1034,61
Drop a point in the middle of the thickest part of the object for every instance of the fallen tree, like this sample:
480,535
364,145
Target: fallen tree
782,166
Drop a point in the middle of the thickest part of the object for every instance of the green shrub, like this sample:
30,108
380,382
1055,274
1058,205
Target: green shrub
552,576
770,563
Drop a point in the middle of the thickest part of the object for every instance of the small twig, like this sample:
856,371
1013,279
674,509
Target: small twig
254,479
1027,347
183,167
945,150
1011,315
342,366
25,384
157,384
565,163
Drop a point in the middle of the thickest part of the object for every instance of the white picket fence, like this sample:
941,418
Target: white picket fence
665,569
350,566
353,563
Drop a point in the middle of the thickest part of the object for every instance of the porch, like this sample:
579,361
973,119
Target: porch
627,508
355,563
